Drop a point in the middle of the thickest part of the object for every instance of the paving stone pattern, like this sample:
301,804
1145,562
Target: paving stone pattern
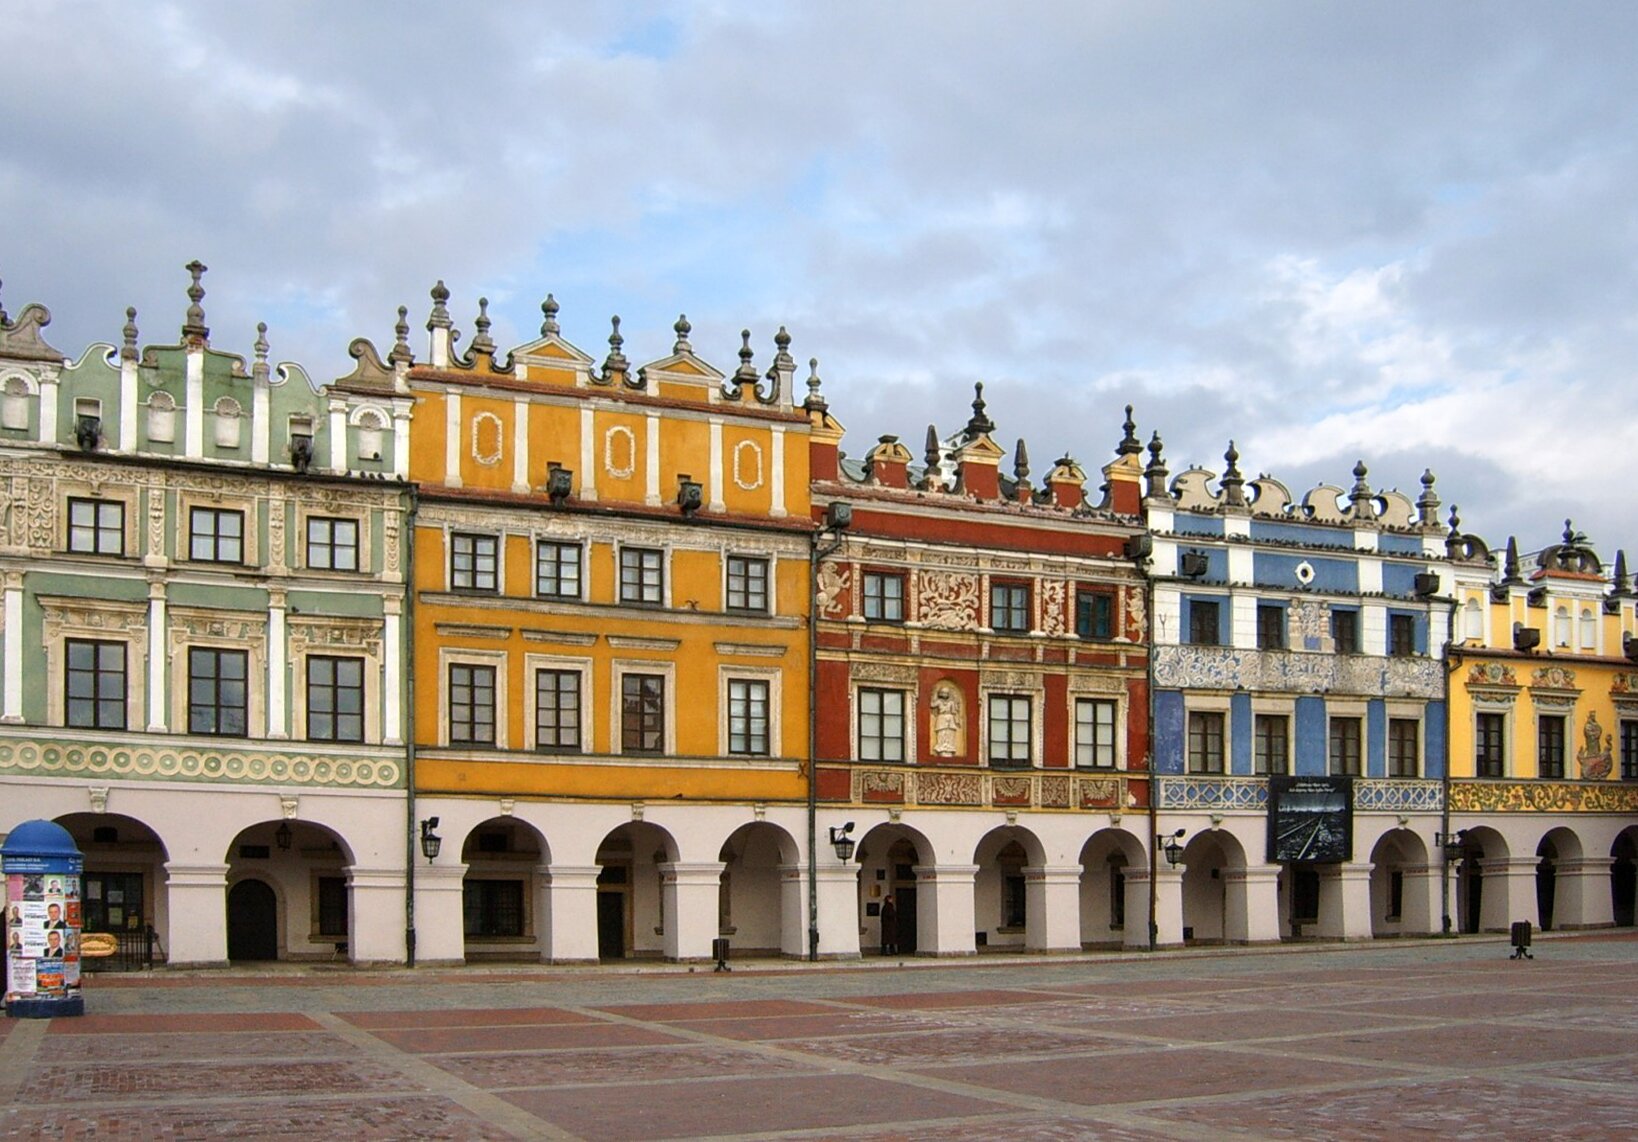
1443,1038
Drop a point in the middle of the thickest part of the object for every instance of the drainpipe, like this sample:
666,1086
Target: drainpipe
410,829
1452,656
1154,776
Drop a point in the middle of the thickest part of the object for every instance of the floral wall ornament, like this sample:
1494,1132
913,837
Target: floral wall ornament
948,601
1492,674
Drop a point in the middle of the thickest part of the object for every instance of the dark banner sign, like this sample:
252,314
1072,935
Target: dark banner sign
1311,819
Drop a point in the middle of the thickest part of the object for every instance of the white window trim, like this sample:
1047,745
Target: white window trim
96,620
532,663
305,512
1406,712
127,497
1092,687
1209,704
771,607
775,679
618,669
453,656
1482,705
1036,693
250,540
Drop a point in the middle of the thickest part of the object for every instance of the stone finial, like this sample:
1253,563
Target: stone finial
816,400
1622,583
194,329
400,339
933,458
548,314
746,373
616,361
1129,444
1510,564
439,318
1155,473
1233,483
1455,522
682,329
260,371
980,424
128,336
1360,495
481,341
1427,504
782,350
1020,461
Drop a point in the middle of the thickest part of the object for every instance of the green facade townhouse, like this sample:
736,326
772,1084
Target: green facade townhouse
202,638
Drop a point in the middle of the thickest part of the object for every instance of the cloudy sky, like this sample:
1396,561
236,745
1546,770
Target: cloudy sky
1404,233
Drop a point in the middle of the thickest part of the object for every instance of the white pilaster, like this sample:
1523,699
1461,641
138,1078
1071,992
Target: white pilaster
338,435
838,895
944,909
571,934
13,711
158,659
194,414
1052,905
713,484
1581,894
261,428
1251,904
690,908
1345,902
1509,893
1419,899
439,920
278,650
375,917
392,665
520,445
588,455
196,905
128,397
776,473
651,463
48,409
452,437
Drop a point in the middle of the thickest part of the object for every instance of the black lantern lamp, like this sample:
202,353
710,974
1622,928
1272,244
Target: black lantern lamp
1451,843
282,836
844,843
431,842
1171,847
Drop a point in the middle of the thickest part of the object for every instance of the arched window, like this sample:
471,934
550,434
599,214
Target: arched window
1561,626
1472,621
1589,629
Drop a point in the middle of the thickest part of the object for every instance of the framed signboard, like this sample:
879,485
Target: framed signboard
1310,820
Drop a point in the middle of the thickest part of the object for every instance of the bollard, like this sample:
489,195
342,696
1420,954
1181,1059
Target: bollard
42,866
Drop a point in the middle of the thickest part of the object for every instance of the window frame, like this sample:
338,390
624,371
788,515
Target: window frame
1271,623
475,579
1012,702
1489,730
1096,726
1551,734
752,594
471,722
1199,610
1010,601
558,562
642,728
1261,765
218,706
98,703
335,688
742,716
1345,619
98,529
1094,614
863,750
884,601
214,536
331,545
635,566
576,724
1345,745
1206,742
1629,749
1401,635
1396,761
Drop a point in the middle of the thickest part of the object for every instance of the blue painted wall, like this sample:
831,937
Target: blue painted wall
1278,569
1185,524
1376,738
1169,739
1399,544
1307,534
1400,578
1313,741
1240,722
1433,726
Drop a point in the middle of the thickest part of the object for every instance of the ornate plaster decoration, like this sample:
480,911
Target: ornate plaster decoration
1397,795
1054,604
1228,668
1553,678
747,475
832,590
947,601
164,763
950,789
1055,792
1597,756
488,439
1213,792
1542,797
620,452
1491,674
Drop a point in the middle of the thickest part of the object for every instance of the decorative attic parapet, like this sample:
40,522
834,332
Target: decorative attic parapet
20,340
888,464
1359,507
1572,558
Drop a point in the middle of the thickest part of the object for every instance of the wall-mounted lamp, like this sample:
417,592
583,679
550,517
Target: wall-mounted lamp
559,482
431,842
282,836
1171,847
690,495
844,843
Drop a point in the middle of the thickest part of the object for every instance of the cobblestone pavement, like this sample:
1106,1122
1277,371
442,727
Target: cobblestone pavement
1363,1041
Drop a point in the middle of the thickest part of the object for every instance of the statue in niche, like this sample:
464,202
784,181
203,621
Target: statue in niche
946,708
1596,757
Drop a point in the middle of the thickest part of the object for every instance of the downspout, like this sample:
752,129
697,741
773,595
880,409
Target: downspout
1452,656
409,724
1154,776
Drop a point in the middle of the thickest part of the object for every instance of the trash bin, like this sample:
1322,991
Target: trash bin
42,866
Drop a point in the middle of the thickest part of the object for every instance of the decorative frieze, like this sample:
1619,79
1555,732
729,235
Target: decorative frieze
1542,797
947,600
1371,795
911,786
1229,668
178,762
1397,795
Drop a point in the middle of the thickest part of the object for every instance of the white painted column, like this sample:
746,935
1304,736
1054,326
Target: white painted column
689,908
128,398
1052,908
194,415
1419,899
944,910
159,657
375,915
520,445
588,455
1581,894
571,932
713,483
452,437
48,409
1509,893
338,435
196,912
261,427
392,668
278,653
793,911
1135,932
776,473
838,894
400,443
1345,901
439,919
13,711
1168,913
1251,904
651,464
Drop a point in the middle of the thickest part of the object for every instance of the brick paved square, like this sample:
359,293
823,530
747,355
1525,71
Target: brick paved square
445,1040
376,1120
563,1068
1474,1047
462,1017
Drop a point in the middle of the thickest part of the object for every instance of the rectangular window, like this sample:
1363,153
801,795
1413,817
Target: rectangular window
557,570
1550,746
1095,733
1094,614
332,544
1345,747
332,906
1345,631
748,717
335,699
474,562
1206,741
881,725
1203,628
96,527
1402,635
884,597
1270,627
642,713
1404,747
747,584
1629,751
557,710
1010,731
1009,607
216,535
642,572
218,689
1014,896
1271,744
94,684
492,908
471,704
1489,733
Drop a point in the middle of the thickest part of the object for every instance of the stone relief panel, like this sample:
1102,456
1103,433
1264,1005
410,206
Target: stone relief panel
1054,605
947,720
1055,792
947,600
1597,756
1225,668
1542,797
950,789
833,590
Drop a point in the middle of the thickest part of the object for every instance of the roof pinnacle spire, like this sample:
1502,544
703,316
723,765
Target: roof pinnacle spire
194,329
128,336
548,312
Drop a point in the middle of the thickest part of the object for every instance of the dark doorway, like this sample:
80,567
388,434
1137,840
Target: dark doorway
905,900
1305,897
1472,883
1624,881
252,922
1546,883
611,925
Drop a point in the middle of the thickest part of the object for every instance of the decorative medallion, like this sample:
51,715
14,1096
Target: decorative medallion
619,452
747,473
487,439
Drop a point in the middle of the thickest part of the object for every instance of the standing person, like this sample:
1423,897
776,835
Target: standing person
890,928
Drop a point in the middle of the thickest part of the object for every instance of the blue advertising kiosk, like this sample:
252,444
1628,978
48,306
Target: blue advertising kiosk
42,866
